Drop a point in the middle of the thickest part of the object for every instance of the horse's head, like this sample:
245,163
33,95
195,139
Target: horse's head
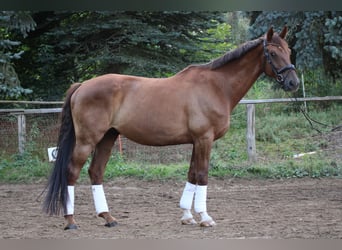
278,63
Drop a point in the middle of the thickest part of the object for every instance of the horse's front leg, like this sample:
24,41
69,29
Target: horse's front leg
198,181
188,194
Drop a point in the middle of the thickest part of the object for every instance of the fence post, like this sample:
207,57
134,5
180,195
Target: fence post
251,148
21,133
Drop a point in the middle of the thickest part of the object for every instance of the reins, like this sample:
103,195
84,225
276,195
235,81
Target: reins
311,120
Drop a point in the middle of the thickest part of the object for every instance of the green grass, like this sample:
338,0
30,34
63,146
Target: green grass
25,168
314,166
279,136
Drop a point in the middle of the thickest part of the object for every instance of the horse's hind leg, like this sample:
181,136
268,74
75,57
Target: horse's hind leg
96,171
79,156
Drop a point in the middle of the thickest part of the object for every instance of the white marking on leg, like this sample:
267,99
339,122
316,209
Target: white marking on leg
70,201
99,197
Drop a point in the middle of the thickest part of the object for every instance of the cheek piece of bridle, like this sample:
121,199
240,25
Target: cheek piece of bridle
278,72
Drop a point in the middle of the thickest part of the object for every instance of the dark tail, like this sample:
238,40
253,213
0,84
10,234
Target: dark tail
57,194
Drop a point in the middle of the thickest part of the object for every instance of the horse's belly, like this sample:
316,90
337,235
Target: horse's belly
156,136
154,130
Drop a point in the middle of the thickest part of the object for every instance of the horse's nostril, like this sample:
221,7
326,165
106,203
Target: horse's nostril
291,85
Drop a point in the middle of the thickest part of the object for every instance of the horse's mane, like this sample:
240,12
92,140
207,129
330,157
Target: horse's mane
230,55
234,54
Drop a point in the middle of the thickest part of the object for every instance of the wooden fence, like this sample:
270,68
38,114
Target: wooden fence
250,104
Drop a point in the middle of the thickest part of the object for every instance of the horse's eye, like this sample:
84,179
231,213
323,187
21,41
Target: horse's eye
273,54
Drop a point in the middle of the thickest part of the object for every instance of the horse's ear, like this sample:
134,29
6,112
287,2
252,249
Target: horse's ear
269,34
283,32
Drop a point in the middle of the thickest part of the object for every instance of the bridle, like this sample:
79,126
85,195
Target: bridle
278,72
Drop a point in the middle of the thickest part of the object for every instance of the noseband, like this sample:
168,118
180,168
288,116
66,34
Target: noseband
278,72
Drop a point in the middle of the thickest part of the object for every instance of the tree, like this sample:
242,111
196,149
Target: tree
74,46
239,27
10,22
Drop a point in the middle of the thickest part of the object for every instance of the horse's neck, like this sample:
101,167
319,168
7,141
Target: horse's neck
238,76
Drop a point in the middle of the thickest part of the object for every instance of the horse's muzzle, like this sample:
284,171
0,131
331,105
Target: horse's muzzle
291,82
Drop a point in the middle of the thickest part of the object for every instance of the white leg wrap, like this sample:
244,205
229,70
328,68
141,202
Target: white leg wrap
187,218
200,199
70,201
186,214
205,217
99,199
187,196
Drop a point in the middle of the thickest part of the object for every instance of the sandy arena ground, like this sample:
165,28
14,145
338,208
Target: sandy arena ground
278,209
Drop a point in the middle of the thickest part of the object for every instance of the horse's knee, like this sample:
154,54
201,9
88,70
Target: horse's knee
192,177
199,177
202,177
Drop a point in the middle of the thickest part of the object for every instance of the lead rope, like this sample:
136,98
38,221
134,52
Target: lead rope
310,119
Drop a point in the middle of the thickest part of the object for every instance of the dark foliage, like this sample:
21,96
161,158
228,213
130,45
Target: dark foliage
71,47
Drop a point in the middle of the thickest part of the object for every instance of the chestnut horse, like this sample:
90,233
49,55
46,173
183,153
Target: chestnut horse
191,107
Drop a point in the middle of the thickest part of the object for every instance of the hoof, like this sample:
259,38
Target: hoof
70,226
111,224
207,223
189,221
